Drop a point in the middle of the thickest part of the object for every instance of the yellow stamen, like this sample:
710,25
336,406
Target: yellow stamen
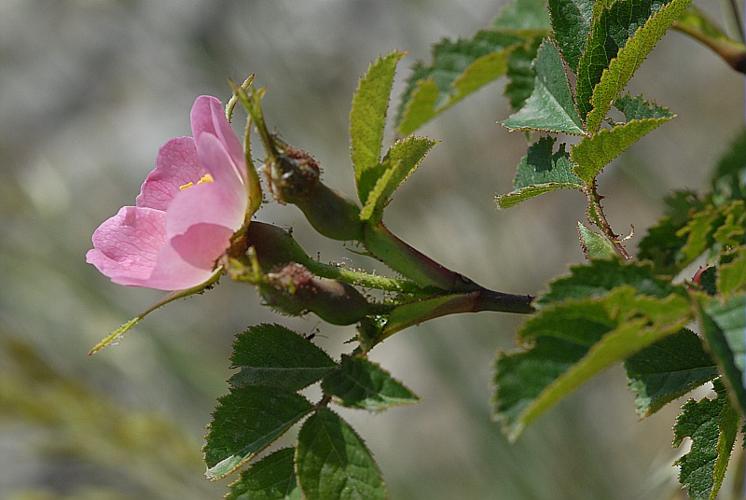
207,178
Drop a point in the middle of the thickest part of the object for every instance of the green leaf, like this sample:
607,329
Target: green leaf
667,370
360,383
729,179
520,73
332,461
713,228
522,15
732,276
550,107
368,118
637,108
712,425
601,276
730,317
458,69
401,160
574,341
571,21
245,422
272,478
629,57
728,359
539,172
273,356
592,154
595,245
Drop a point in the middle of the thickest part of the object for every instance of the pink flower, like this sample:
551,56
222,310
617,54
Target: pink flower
188,208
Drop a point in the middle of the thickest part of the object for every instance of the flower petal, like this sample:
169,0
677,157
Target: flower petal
202,244
172,272
126,246
175,166
208,116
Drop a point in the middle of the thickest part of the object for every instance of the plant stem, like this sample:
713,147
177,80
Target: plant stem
598,217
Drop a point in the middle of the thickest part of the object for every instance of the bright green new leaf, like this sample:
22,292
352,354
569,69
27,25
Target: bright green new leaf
368,117
272,478
332,461
728,358
713,228
273,356
245,422
629,58
729,179
523,15
595,245
360,383
400,162
592,154
571,21
732,276
667,370
541,171
712,425
458,69
550,107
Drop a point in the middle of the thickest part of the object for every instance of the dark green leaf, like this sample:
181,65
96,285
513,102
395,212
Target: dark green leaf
520,72
667,370
273,356
571,21
245,422
539,172
332,461
360,383
272,478
712,425
637,108
550,107
522,15
729,179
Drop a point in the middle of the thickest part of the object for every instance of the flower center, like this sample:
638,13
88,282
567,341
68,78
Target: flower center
207,178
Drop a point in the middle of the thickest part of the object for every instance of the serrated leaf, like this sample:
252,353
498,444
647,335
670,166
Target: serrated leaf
458,69
600,276
541,171
368,118
667,370
637,108
520,73
571,21
729,178
274,356
629,57
400,162
272,478
732,275
359,383
595,245
587,336
245,422
522,15
712,425
332,461
698,233
729,361
592,154
551,106
730,317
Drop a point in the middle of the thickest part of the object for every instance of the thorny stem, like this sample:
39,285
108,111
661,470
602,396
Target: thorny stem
598,217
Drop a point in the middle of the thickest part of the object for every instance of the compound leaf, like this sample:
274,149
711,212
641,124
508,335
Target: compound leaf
272,478
571,21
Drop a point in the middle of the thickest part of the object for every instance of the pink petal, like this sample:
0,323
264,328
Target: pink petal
172,272
175,166
126,246
202,244
208,116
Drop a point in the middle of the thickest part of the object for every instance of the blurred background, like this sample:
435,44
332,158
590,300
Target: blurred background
89,89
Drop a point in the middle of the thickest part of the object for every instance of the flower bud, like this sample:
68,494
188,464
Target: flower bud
295,290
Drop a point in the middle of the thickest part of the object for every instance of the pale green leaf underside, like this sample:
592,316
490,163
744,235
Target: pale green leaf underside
595,245
571,21
400,162
272,478
332,461
245,422
712,425
551,106
360,383
730,317
592,154
368,117
628,60
542,170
